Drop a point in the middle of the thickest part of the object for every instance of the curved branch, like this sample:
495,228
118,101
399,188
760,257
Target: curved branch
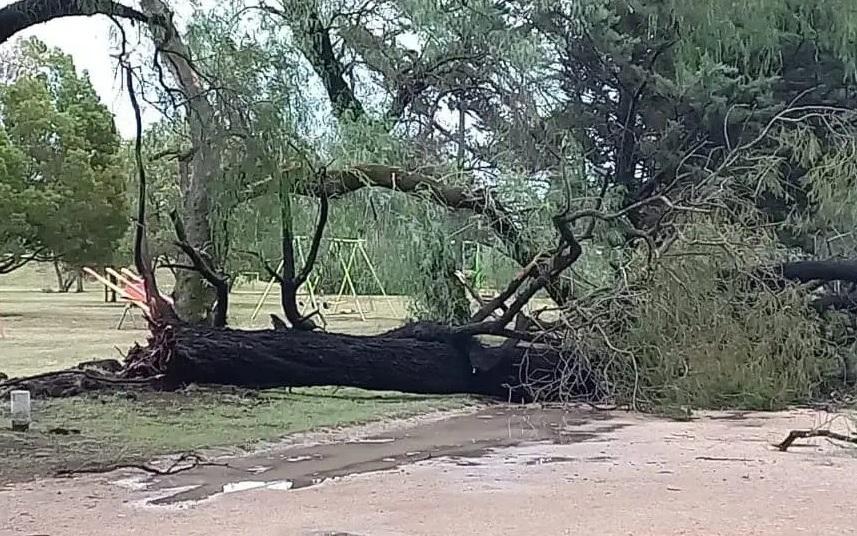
804,434
499,301
540,274
10,263
323,208
318,49
480,201
23,14
160,309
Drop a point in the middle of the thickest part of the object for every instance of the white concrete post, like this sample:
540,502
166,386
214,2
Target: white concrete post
20,410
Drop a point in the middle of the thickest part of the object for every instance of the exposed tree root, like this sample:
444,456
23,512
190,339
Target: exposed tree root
70,382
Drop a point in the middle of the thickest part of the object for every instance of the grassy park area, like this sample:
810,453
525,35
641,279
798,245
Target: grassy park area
46,331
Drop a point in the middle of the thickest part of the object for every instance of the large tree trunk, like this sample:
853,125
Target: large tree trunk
280,358
193,298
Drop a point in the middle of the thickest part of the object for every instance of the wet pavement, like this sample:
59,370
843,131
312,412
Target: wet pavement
502,470
462,439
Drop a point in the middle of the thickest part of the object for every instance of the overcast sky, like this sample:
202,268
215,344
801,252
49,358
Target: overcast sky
92,42
88,41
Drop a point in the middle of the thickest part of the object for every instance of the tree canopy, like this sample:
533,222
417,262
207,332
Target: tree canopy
645,164
61,162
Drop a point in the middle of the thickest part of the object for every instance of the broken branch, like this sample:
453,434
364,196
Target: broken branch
159,309
804,434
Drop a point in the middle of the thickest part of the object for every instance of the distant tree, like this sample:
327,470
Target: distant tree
19,203
59,163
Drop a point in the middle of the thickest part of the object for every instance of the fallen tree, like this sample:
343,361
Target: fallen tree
175,357
417,358
535,361
300,358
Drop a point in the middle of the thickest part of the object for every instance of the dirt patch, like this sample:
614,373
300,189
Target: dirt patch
630,475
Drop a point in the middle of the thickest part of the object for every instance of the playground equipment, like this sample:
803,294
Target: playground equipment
351,249
471,261
132,291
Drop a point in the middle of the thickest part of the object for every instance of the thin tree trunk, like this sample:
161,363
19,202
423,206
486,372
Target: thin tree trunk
79,280
58,272
62,284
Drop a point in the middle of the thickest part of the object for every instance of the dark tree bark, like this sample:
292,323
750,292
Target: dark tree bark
79,282
827,271
430,364
830,270
10,263
836,302
25,13
203,265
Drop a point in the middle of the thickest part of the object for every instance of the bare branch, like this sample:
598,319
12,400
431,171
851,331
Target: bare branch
159,309
10,263
488,308
216,279
301,278
272,273
176,266
174,154
803,434
543,273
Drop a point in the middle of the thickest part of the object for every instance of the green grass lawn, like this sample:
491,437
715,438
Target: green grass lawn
48,331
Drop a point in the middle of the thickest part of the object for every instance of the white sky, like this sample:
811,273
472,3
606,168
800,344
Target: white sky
92,41
88,41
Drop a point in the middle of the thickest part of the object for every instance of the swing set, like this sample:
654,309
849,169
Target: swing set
349,252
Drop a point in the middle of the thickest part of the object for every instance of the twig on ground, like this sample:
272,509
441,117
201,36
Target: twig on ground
192,461
804,434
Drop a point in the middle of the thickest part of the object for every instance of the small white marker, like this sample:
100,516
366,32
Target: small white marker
20,410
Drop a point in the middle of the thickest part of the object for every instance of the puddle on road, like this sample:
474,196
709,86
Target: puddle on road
461,440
